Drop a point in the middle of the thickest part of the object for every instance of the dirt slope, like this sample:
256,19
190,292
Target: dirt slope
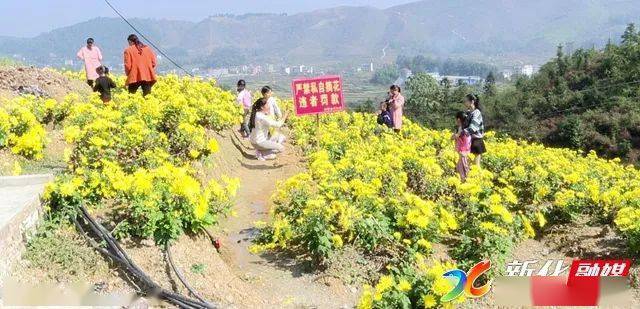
37,81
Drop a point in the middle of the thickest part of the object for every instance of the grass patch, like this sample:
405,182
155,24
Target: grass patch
60,254
198,268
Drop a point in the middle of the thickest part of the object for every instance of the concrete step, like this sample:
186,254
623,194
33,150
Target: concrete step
20,211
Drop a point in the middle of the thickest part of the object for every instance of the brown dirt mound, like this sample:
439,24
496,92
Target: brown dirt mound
40,82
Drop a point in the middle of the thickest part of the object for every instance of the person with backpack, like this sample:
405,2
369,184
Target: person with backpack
475,127
139,66
92,57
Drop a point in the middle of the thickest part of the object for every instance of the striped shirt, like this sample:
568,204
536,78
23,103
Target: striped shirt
475,125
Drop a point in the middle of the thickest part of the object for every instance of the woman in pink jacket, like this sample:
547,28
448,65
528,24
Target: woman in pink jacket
396,106
92,58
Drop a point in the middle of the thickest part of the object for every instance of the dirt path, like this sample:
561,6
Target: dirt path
279,281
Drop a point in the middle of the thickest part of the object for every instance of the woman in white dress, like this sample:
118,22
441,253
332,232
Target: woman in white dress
259,124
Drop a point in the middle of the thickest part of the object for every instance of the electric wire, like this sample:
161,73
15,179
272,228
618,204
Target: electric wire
147,39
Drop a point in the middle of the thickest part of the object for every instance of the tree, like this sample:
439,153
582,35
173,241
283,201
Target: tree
425,96
385,75
446,91
561,61
630,34
490,85
365,107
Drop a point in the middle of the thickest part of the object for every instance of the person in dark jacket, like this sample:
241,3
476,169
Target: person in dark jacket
104,84
384,115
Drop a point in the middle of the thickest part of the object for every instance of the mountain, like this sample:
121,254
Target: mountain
496,31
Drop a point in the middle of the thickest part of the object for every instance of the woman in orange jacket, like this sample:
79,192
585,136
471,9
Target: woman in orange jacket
139,65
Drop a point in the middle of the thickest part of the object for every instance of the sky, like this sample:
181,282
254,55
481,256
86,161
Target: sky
28,18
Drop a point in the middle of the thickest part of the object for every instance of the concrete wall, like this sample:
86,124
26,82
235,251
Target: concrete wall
20,211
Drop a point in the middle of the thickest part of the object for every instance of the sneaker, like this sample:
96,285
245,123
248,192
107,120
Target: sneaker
269,157
259,155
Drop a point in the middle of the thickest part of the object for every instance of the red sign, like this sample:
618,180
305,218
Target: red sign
317,95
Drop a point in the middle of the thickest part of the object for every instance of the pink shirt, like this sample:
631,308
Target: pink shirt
92,58
463,143
244,98
397,104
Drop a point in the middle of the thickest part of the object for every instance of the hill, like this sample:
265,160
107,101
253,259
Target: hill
494,30
585,100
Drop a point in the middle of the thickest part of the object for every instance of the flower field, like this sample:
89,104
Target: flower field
21,125
381,192
133,158
396,196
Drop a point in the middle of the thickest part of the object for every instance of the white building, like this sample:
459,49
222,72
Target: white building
219,72
528,70
404,75
271,68
506,74
455,79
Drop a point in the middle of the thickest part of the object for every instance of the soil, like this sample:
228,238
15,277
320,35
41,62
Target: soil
280,280
40,82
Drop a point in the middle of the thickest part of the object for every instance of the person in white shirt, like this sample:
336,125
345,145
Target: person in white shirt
244,99
260,122
274,109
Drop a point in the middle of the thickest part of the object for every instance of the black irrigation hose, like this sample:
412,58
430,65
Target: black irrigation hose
96,246
181,277
123,259
118,255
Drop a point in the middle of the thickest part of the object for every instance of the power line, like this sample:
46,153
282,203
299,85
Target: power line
147,39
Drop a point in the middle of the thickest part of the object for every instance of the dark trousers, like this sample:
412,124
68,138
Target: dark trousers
90,83
146,87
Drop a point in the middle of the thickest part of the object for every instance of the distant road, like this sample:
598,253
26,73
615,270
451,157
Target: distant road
384,52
